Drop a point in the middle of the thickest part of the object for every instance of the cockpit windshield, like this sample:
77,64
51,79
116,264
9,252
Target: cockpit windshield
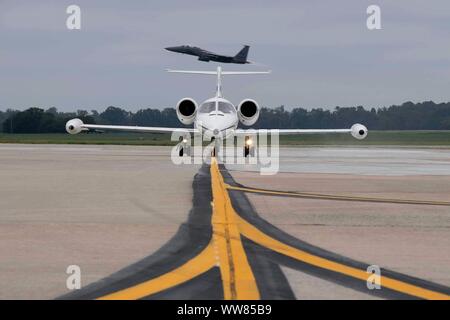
226,107
207,107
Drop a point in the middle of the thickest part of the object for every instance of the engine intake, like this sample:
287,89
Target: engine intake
186,110
248,112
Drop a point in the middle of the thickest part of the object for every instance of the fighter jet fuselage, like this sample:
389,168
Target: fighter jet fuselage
204,55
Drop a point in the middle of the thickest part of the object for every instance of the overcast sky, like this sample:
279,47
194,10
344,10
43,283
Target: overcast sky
320,52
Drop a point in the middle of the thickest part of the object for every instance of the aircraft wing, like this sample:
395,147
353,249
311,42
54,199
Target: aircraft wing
137,128
75,126
295,131
358,131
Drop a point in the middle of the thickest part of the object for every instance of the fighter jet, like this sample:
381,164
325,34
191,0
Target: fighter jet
204,55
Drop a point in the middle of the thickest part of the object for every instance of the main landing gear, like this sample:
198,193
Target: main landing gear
214,149
184,148
249,148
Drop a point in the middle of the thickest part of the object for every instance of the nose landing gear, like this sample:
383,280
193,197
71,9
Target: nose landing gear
213,150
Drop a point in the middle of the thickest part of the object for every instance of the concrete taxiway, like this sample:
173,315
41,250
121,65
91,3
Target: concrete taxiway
221,232
98,207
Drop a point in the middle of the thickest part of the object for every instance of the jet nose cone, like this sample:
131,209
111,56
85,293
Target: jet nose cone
175,49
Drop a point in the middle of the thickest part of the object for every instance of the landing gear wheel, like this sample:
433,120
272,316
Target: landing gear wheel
187,151
213,150
184,151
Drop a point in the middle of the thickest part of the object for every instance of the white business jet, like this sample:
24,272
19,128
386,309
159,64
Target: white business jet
216,119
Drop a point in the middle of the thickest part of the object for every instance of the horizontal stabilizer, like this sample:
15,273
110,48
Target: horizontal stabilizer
219,73
215,72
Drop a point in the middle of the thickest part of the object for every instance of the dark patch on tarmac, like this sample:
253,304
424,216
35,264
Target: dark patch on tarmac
272,283
245,209
191,238
207,286
195,234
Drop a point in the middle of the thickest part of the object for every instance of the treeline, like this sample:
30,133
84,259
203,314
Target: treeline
408,116
38,120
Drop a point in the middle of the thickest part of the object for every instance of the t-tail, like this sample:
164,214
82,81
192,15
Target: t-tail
241,56
219,73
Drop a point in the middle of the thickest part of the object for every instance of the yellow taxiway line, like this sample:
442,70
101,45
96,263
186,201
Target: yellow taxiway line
226,251
194,267
263,239
237,275
338,197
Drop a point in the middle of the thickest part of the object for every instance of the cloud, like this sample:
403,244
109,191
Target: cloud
321,53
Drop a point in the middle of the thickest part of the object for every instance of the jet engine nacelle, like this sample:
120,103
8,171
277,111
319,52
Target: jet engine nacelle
248,112
74,126
359,131
186,110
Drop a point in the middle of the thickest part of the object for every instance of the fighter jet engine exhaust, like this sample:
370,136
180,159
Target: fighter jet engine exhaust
359,131
186,110
74,126
248,112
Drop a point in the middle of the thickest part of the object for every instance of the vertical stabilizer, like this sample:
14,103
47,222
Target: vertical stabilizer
241,56
219,82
